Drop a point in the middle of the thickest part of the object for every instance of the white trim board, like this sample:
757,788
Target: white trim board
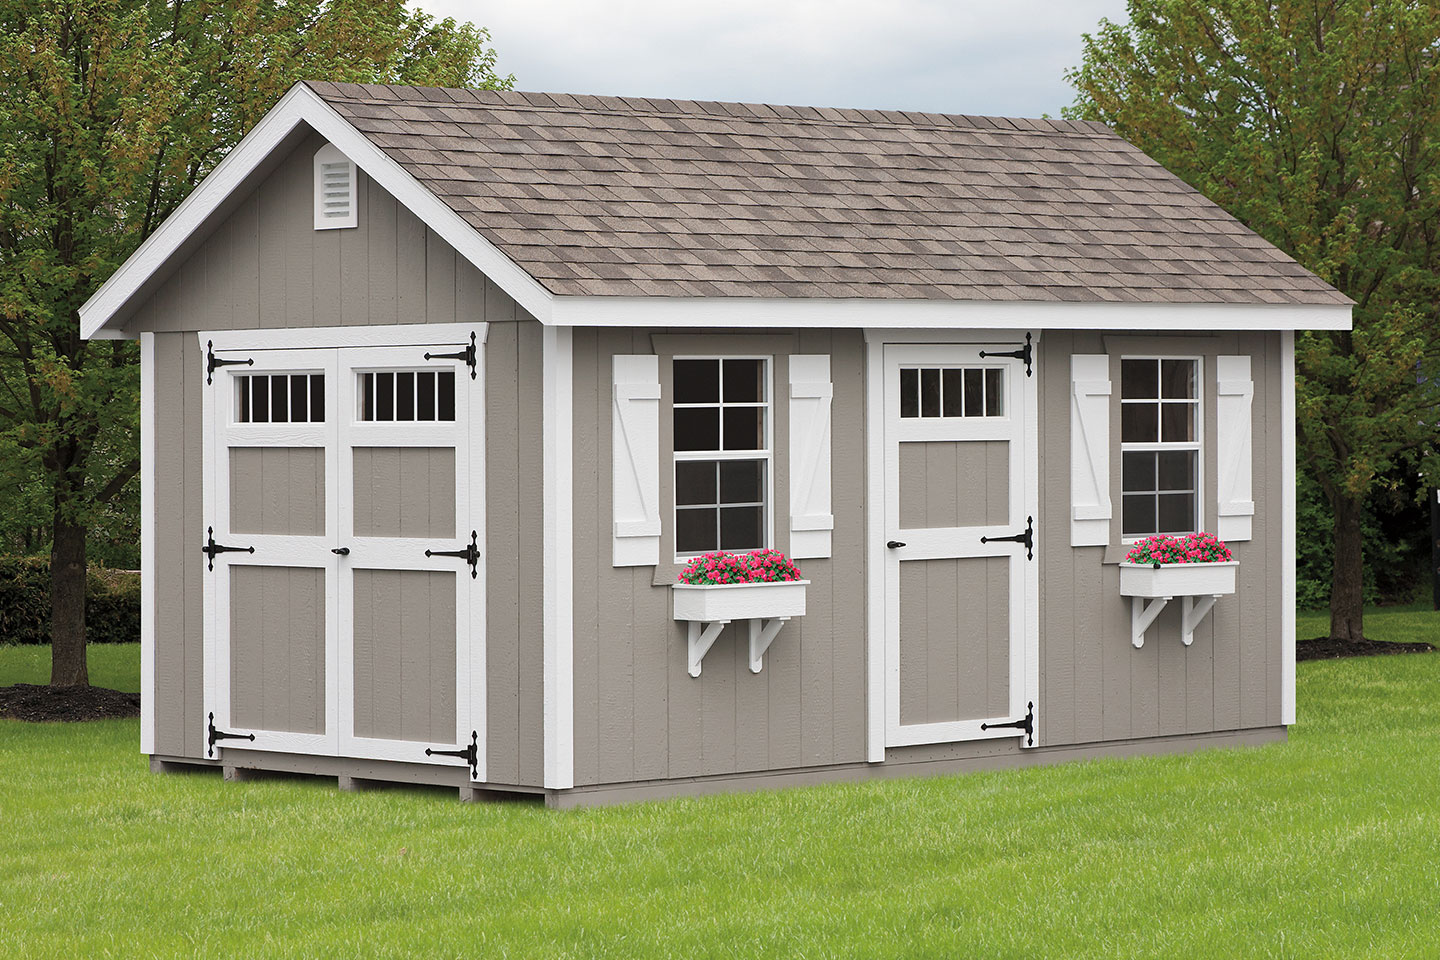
303,105
380,335
559,606
875,574
147,543
1287,528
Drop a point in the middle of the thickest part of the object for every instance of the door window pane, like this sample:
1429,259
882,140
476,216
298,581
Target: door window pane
406,396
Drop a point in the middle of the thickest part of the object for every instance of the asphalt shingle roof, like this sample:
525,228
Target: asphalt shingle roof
610,196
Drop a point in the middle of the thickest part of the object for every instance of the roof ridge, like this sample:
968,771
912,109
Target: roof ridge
792,113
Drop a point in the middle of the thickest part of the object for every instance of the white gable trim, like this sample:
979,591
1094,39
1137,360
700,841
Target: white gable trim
303,105
938,314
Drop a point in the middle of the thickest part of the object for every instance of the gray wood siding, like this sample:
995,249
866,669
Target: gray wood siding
514,560
405,492
405,655
277,490
954,639
265,266
277,648
638,713
1094,685
179,532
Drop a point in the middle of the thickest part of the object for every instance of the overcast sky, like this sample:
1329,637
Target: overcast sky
1002,57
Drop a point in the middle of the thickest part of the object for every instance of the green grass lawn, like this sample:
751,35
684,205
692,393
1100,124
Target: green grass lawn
1328,845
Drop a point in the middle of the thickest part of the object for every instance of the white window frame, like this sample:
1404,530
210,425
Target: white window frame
767,378
1197,445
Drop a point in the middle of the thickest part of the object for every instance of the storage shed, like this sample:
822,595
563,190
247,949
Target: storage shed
442,387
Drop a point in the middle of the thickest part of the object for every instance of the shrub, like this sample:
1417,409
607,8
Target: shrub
112,603
757,566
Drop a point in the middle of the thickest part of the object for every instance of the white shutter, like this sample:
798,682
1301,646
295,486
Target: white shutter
635,460
1234,393
1089,450
811,519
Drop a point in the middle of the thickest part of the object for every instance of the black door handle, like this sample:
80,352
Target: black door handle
895,544
341,551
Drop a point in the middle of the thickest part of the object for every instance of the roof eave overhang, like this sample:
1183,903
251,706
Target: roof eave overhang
878,314
103,315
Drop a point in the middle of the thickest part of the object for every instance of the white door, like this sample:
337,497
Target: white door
272,597
961,581
346,616
411,578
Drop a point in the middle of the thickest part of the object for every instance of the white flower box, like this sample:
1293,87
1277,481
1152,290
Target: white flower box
1178,579
711,602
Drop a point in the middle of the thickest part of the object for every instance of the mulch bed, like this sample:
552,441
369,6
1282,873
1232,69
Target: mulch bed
1324,648
28,701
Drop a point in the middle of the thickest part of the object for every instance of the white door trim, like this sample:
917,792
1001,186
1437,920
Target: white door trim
884,728
380,335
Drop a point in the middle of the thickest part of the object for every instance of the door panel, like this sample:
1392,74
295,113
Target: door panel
951,483
404,631
277,648
954,639
960,597
278,490
404,492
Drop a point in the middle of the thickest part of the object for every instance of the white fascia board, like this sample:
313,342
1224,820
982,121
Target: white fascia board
303,105
938,314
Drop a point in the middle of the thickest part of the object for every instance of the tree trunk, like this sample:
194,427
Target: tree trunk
67,605
1347,579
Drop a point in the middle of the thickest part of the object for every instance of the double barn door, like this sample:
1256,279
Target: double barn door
344,600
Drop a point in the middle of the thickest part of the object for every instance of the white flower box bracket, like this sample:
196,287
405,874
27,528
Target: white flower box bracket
708,607
1150,588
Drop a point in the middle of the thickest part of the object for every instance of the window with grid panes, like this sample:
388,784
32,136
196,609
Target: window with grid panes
721,420
1160,445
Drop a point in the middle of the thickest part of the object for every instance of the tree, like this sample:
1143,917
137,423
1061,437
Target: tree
110,112
1318,126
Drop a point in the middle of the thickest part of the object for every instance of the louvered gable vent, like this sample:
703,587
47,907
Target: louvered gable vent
334,189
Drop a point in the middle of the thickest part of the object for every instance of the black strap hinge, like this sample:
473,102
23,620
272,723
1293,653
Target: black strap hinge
1025,353
1025,723
469,355
470,754
1027,538
212,361
216,735
211,547
470,554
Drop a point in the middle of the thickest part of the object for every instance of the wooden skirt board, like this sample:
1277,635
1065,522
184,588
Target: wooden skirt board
961,591
347,619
